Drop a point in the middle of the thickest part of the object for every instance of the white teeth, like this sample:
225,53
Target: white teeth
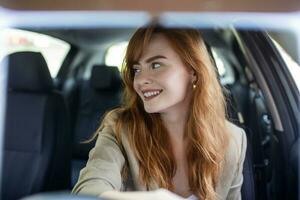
149,94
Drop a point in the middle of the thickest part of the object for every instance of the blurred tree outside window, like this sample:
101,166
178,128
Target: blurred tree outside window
53,50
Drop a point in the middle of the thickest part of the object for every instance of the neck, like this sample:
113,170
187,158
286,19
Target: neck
175,118
175,124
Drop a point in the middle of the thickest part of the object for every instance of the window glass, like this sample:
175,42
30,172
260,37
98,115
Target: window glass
219,63
293,66
53,50
223,66
115,54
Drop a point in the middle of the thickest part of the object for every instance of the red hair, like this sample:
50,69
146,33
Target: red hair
205,130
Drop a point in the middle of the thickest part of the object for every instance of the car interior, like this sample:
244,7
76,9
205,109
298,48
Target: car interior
49,117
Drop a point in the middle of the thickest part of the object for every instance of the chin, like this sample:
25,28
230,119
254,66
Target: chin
151,110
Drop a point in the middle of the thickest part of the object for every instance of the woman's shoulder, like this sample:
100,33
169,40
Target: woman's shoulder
110,120
107,129
236,133
111,117
113,126
237,142
233,161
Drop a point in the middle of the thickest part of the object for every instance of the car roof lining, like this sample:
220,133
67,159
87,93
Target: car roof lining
102,37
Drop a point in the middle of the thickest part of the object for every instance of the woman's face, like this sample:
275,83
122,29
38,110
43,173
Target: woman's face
161,79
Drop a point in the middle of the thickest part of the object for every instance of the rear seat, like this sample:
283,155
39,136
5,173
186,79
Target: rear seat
37,139
100,93
236,99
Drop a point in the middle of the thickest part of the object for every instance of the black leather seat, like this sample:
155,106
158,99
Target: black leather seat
97,95
234,115
37,139
235,107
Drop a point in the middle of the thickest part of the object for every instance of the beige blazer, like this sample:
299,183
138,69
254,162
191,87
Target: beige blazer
103,169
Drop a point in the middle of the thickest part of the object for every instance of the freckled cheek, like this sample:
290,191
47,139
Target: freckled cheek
177,84
162,76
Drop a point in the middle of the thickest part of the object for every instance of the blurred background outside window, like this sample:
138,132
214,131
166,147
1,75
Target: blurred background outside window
53,50
292,65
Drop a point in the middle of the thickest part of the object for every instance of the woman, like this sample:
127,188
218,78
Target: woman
171,132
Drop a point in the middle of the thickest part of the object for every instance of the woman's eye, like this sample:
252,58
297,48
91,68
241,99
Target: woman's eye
156,65
136,71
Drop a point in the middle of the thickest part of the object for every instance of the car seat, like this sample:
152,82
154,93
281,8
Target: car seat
97,95
37,139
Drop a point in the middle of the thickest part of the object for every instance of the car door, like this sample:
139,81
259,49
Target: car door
276,140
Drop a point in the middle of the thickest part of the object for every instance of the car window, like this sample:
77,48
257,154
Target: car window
223,65
115,54
53,50
292,65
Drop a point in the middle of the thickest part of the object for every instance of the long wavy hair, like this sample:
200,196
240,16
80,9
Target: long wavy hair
205,129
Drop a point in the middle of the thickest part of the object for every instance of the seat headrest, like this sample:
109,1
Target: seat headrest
105,77
28,71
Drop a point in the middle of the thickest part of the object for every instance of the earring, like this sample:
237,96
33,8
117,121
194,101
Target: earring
194,81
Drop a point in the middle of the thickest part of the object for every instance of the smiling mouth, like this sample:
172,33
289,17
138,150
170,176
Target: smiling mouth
150,95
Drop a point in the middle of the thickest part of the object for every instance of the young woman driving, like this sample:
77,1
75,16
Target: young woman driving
171,132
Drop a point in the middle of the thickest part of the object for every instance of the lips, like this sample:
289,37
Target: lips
150,94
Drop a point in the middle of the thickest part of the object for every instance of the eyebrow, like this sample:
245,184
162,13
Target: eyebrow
153,58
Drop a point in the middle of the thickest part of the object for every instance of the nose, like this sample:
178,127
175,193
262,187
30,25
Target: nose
143,78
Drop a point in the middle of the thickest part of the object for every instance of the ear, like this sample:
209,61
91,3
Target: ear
194,76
